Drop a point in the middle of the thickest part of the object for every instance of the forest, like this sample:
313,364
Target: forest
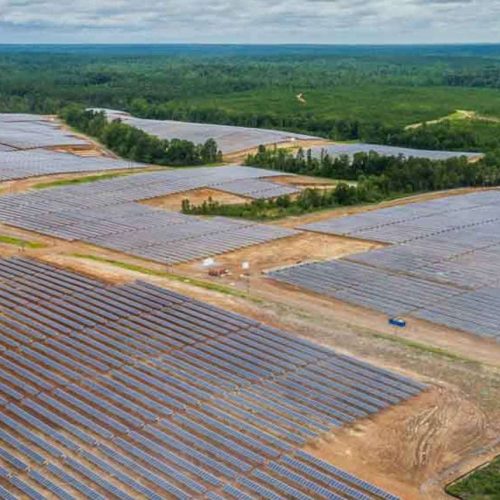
350,93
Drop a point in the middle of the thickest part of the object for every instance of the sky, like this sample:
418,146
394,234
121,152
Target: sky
250,21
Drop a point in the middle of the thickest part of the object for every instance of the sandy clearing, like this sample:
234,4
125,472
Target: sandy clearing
304,247
304,181
420,436
458,115
196,197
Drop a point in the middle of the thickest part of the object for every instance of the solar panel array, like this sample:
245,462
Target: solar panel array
444,265
134,391
335,150
19,131
106,214
475,213
230,139
40,162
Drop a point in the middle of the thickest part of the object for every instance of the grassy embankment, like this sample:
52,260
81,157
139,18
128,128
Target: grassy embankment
80,180
19,242
482,484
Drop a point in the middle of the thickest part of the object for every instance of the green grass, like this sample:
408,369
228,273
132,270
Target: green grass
207,285
393,105
80,180
424,348
18,242
482,484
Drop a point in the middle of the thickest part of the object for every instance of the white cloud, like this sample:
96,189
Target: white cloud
255,21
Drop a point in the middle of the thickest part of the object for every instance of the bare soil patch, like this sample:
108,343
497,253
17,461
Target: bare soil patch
403,446
173,202
304,247
304,181
457,343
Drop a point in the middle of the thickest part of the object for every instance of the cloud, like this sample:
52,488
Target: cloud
254,21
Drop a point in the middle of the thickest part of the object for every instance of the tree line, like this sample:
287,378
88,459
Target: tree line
135,144
400,173
309,200
376,178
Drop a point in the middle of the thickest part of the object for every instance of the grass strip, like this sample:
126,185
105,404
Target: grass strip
80,180
207,285
18,242
482,483
428,349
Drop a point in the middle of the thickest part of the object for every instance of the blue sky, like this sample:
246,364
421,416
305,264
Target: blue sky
249,21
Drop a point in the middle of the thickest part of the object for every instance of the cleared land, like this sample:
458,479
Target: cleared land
164,395
195,197
459,114
412,449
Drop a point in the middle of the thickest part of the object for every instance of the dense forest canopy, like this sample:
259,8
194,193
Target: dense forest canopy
368,93
350,92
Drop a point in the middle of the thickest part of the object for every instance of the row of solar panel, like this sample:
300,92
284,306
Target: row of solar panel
449,275
125,422
106,214
35,132
40,162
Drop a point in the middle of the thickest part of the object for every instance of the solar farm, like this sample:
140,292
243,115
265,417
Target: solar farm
442,266
21,132
335,150
230,139
107,214
128,369
133,391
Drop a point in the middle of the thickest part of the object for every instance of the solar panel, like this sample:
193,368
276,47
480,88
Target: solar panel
215,409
